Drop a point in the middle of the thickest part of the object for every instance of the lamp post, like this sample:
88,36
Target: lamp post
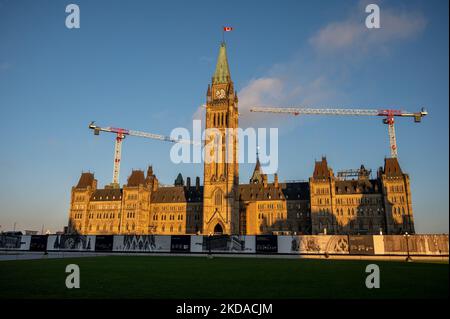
408,258
209,245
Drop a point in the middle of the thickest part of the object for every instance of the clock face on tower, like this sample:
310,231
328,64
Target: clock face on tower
220,94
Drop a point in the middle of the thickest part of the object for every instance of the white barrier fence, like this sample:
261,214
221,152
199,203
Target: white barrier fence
426,245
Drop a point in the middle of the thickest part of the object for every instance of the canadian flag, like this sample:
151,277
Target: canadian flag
227,29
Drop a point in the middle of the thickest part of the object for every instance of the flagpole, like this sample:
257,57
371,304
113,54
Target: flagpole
223,34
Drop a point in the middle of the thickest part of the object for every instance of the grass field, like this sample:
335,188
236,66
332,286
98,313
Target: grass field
199,277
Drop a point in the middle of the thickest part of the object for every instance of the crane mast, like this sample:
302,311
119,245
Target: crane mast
388,114
121,133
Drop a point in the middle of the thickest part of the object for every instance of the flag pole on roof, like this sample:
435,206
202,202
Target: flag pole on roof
225,29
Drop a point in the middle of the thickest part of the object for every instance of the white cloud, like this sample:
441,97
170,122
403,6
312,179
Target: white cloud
278,90
258,92
352,35
281,91
261,91
313,79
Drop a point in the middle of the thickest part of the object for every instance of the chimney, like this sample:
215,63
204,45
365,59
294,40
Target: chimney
188,182
197,183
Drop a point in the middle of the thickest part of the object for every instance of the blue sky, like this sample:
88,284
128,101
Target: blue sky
145,65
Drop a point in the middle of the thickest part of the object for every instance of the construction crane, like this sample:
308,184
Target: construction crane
388,114
120,135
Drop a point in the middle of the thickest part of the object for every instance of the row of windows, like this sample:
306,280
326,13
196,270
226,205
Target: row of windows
299,206
219,119
171,217
399,211
397,189
132,196
169,208
270,206
280,215
358,201
100,215
354,189
268,196
279,228
104,215
351,226
325,201
103,207
322,191
170,228
105,227
396,199
361,211
266,216
79,198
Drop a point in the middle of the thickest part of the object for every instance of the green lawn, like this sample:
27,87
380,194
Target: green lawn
199,277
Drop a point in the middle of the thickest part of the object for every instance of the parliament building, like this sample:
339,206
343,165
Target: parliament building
328,203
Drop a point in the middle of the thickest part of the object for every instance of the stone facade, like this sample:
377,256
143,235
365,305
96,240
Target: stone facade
221,172
325,204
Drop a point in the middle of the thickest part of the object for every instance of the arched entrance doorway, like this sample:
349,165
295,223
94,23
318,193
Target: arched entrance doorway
218,230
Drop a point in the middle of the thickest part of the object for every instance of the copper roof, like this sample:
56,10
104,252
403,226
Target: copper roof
222,73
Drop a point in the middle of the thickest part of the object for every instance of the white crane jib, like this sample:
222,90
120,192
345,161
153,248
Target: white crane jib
120,135
388,115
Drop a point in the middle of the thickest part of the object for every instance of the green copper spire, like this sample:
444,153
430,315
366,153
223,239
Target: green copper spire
222,74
